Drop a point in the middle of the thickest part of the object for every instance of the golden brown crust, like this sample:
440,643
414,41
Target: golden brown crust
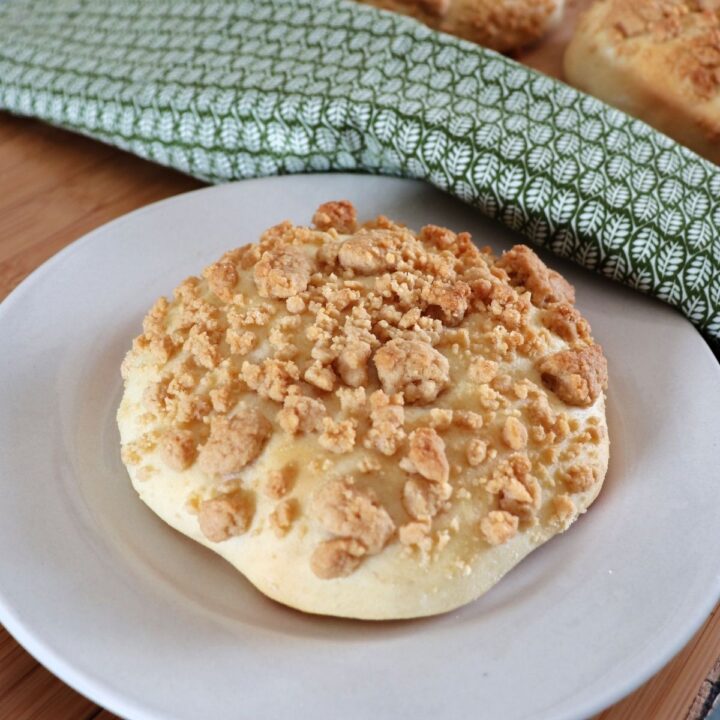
503,25
656,59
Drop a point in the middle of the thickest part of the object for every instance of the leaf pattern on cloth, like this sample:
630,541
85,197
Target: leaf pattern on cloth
229,89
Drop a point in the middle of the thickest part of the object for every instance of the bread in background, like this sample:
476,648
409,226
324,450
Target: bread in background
658,60
503,25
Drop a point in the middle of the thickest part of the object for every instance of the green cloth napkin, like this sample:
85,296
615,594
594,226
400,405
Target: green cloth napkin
225,89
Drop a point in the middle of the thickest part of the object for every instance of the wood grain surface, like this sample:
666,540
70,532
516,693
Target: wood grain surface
54,188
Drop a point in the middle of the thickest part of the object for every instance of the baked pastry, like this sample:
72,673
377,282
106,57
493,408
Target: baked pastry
365,421
503,25
658,60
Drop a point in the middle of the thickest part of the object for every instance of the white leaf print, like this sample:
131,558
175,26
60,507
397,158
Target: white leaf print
617,195
298,141
671,192
644,180
488,136
591,218
668,163
670,259
539,158
458,159
699,234
415,168
433,147
714,291
693,174
336,112
384,125
565,170
537,231
564,242
645,207
538,194
592,157
360,114
644,245
513,217
460,126
276,137
512,179
670,221
587,256
488,204
464,191
592,183
562,206
251,135
641,280
670,291
615,230
615,267
713,327
408,137
311,109
696,309
512,147
485,170
698,273
696,204
619,167
439,179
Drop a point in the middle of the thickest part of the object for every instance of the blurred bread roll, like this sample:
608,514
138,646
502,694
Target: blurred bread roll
658,60
503,25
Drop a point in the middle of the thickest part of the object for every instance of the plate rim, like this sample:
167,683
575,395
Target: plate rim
94,686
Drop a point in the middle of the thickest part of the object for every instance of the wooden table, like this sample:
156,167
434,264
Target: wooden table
55,187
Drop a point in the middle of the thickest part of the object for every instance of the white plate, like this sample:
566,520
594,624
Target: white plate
151,625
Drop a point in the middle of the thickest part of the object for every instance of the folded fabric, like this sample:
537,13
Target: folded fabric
229,89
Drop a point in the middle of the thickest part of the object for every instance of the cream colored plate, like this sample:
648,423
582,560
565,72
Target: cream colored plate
153,626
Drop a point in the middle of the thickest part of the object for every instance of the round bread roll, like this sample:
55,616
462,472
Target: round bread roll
365,421
503,25
658,60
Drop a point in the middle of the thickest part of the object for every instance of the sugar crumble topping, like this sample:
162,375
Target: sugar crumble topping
395,354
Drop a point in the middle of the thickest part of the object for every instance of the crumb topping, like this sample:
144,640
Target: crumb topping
282,272
337,558
225,516
426,456
579,478
178,449
526,269
339,215
345,510
412,367
576,376
337,437
283,516
687,30
300,414
279,482
234,441
499,526
404,358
